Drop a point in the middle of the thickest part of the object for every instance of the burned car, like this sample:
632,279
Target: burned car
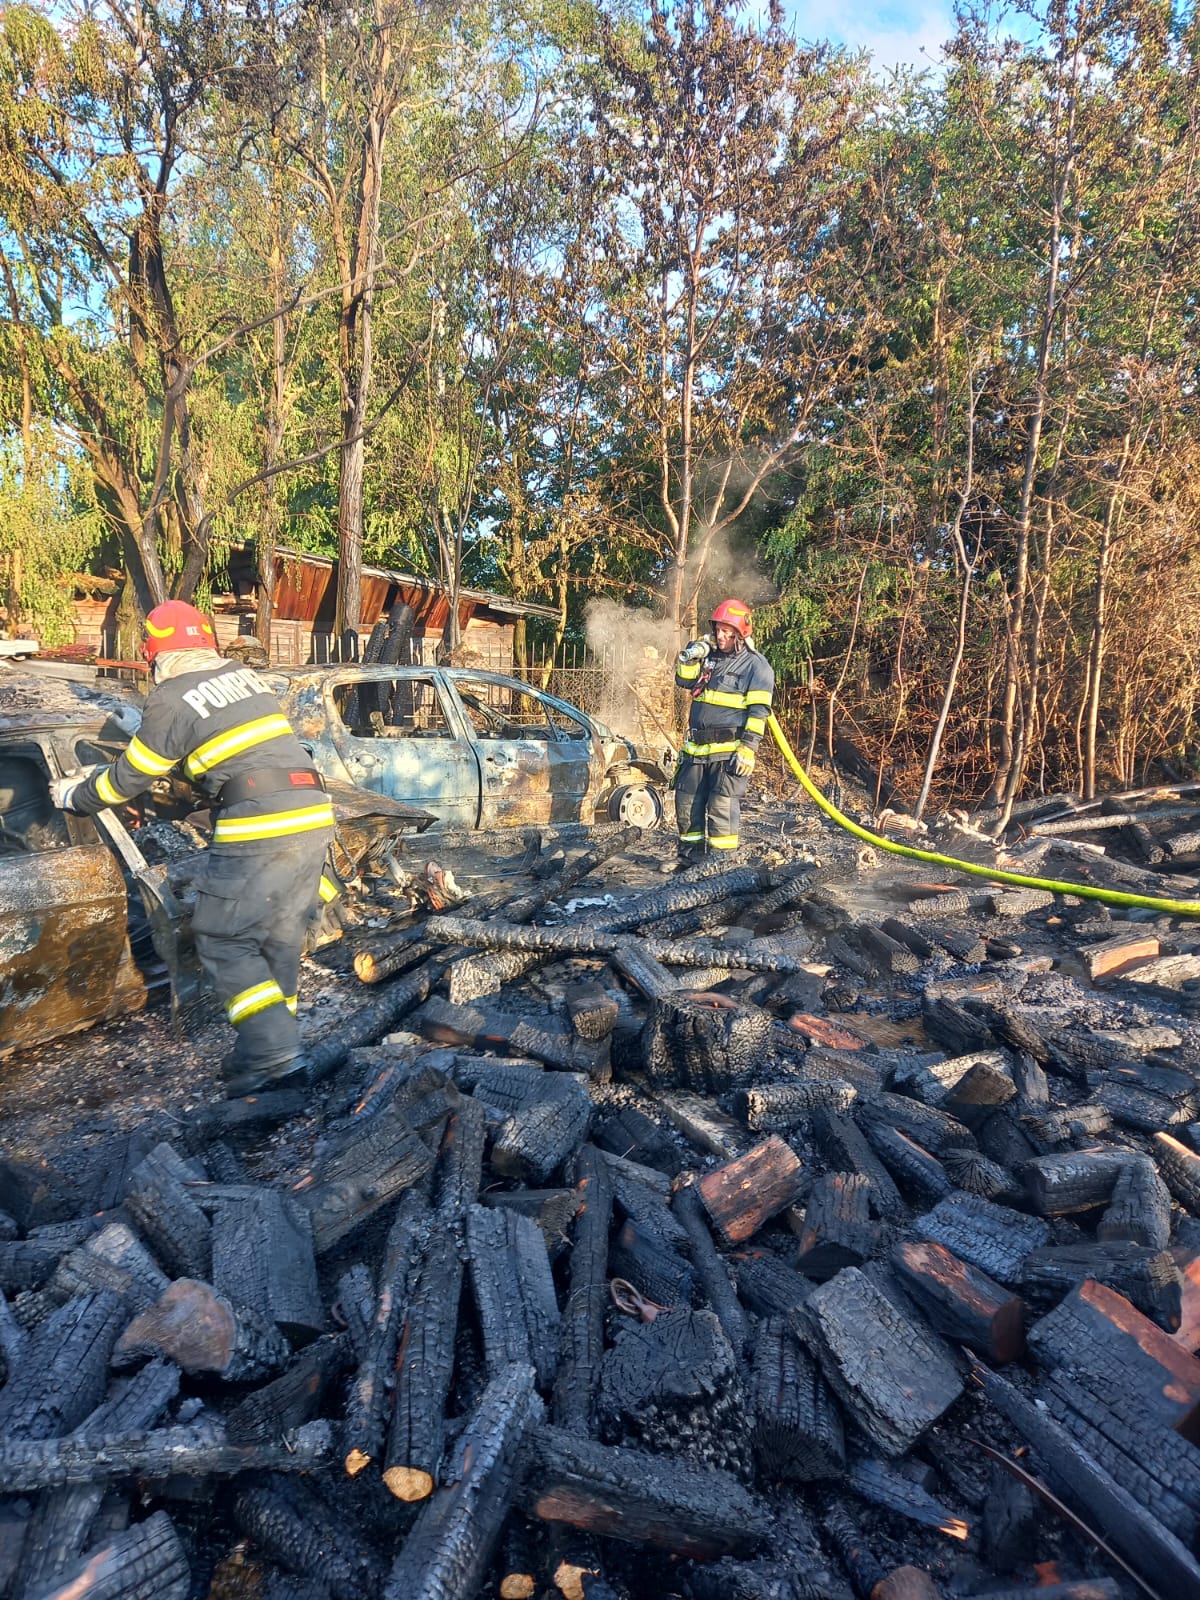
477,749
89,926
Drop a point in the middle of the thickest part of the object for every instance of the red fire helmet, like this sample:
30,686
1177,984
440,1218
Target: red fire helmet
177,626
733,614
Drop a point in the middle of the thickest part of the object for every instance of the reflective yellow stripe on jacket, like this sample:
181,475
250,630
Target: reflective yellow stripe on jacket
234,741
724,747
274,825
108,791
141,757
720,697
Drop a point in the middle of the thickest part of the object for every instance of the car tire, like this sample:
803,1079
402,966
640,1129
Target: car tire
636,805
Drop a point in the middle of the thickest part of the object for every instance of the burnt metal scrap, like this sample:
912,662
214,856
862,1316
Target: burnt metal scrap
689,1256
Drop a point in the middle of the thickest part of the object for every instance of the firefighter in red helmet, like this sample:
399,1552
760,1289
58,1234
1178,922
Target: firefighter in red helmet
731,686
273,822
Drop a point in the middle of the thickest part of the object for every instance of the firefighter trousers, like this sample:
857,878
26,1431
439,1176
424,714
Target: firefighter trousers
253,907
708,805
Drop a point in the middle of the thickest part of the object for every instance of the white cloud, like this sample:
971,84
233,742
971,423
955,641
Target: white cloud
895,35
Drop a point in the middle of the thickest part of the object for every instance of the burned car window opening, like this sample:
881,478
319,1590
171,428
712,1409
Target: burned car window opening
503,711
29,821
395,708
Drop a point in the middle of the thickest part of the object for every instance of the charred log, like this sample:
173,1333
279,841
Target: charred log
536,1141
200,1449
744,1194
370,1167
673,1386
424,1367
146,1562
928,1126
289,1523
692,1043
295,1397
62,1374
886,1371
59,1527
551,1209
1148,1278
1179,1169
769,1287
583,1319
710,1267
655,1270
449,1549
460,1161
447,1023
1140,1208
364,1428
912,1166
883,1486
782,1107
513,1292
630,1133
845,1147
262,1255
1097,1334
993,1238
639,1497
592,1010
1152,1549
1061,1184
170,1220
797,1427
837,1230
962,1303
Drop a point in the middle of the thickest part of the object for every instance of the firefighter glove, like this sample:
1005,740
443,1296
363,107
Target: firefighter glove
63,789
741,762
698,650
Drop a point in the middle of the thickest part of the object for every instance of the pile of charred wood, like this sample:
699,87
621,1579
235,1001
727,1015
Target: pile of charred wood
644,1261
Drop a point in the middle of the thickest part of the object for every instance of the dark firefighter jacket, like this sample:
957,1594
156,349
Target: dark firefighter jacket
731,696
223,724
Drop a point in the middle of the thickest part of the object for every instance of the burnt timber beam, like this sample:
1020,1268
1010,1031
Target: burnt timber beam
448,1550
365,1426
639,1497
199,1449
582,1327
1150,1548
590,941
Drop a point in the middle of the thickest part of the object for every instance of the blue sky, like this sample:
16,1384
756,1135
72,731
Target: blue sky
895,34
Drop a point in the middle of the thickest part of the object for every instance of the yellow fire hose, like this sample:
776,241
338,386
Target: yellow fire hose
1114,897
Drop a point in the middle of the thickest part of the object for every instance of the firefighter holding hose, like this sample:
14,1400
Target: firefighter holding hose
731,685
273,823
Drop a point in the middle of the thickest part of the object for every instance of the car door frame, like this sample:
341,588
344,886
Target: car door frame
69,972
340,741
511,804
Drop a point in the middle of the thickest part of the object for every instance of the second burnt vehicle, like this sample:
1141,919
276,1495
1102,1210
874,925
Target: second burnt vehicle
477,749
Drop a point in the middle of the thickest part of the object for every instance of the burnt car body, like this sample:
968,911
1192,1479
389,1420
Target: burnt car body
73,888
477,749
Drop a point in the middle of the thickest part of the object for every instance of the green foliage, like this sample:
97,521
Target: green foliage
50,526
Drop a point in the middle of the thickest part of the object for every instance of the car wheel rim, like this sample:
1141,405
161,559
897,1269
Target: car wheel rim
639,808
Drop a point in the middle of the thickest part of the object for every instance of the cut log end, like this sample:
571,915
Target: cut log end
409,1484
356,1461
